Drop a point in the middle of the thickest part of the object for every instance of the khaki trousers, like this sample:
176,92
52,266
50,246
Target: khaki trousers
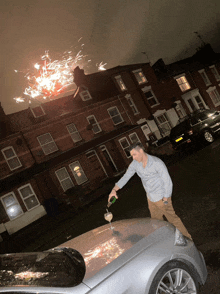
159,209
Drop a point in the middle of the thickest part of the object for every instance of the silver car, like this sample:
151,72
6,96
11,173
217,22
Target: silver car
130,256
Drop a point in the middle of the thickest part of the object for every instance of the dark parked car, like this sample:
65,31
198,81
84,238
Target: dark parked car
198,127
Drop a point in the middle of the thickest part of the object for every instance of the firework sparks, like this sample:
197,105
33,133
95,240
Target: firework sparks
50,78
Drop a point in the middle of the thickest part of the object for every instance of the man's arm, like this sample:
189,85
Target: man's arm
126,177
168,185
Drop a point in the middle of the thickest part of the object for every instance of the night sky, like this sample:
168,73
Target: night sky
115,32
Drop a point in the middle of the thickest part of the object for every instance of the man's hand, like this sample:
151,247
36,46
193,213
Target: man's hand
165,200
113,193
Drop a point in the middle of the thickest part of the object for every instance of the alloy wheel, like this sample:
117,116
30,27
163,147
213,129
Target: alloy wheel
176,281
208,137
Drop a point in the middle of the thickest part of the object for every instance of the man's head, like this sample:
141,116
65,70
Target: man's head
137,151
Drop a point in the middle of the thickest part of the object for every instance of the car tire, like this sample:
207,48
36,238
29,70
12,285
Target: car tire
175,277
208,136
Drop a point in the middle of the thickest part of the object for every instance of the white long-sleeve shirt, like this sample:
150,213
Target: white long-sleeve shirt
155,178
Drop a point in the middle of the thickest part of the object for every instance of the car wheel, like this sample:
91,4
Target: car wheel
208,136
174,277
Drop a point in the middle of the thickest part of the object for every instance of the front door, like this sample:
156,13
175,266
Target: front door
108,158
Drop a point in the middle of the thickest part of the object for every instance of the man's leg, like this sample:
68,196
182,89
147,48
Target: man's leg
154,211
171,216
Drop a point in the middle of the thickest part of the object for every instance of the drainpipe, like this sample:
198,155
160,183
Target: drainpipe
125,109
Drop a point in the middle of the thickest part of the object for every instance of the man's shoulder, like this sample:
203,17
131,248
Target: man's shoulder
154,159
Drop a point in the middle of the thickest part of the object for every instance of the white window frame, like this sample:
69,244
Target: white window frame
75,173
140,77
85,95
16,203
215,91
118,115
52,141
124,138
215,72
132,104
32,110
120,83
204,77
182,82
11,158
70,128
167,122
96,124
138,140
180,110
33,194
61,181
148,89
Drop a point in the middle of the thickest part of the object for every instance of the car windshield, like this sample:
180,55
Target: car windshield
55,268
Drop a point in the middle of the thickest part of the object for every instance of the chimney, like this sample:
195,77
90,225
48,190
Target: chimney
4,123
78,76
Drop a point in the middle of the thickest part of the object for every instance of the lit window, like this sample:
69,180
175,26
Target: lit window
78,172
151,98
183,83
11,158
214,95
132,105
120,83
47,143
164,124
204,77
115,115
85,95
125,146
11,205
140,77
215,72
94,124
74,133
64,178
134,138
38,111
28,196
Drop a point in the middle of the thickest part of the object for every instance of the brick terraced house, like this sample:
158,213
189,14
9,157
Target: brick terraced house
79,141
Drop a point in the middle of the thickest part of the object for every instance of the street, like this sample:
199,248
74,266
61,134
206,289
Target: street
196,190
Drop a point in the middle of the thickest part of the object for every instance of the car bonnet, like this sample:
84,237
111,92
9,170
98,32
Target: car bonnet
103,245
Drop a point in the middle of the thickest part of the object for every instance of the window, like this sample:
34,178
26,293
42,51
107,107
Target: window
11,158
78,172
214,95
28,196
85,95
164,124
74,133
120,83
215,72
151,98
140,77
64,178
205,77
115,115
38,111
47,143
125,146
131,103
180,110
134,138
11,205
183,83
94,124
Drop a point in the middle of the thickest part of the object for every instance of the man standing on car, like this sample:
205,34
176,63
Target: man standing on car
157,184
